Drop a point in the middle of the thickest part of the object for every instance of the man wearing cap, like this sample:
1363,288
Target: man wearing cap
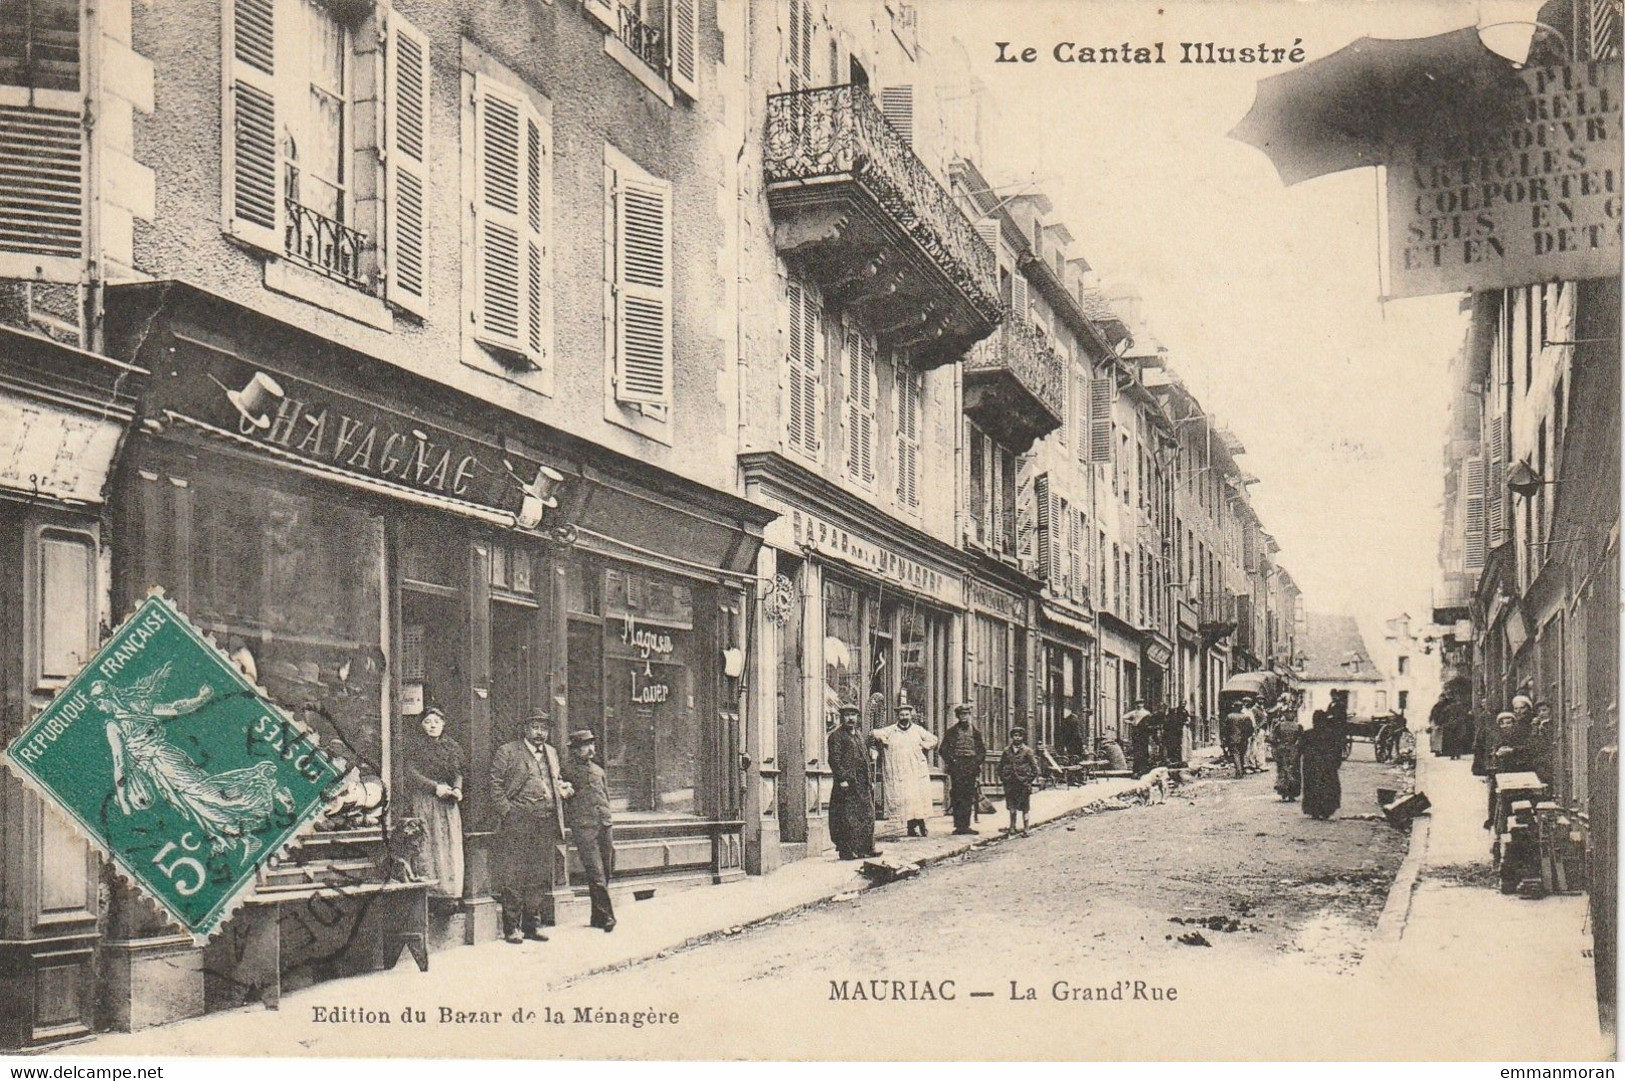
904,769
528,796
591,824
962,753
852,800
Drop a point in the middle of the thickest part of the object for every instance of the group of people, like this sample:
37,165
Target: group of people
902,748
1154,737
534,797
1519,740
1307,760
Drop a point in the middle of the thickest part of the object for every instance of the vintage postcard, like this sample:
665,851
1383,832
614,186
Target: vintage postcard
810,529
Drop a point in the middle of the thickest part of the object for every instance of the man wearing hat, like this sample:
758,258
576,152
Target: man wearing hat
962,753
528,796
852,800
591,824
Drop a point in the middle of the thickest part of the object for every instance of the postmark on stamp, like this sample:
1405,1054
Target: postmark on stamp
175,765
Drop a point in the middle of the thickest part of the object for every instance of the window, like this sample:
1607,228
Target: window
294,154
65,607
638,235
859,356
1382,701
41,140
1404,664
1117,579
805,371
40,48
798,44
664,35
910,387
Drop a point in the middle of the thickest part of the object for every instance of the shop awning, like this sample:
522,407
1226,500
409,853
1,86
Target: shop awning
69,410
1070,620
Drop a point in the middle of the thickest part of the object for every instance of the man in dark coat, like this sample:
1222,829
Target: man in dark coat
528,796
591,824
852,800
1322,756
962,752
1173,736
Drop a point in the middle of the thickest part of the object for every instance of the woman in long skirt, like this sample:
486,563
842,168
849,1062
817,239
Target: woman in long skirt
434,772
1322,756
1285,745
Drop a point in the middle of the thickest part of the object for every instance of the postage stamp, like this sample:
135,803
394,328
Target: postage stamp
173,764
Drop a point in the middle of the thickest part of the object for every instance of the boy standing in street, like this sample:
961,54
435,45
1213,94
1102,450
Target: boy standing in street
1018,769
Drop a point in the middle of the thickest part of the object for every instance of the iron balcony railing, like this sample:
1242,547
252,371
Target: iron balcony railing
322,244
1020,348
837,133
644,39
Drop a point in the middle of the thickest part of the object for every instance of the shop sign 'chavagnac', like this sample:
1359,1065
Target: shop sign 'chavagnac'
175,766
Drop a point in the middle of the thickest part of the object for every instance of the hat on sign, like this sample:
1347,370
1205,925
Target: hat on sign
255,400
581,737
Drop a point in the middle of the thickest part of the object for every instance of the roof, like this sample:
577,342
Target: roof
1334,651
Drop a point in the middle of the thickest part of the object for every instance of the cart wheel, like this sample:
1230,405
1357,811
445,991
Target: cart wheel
1348,747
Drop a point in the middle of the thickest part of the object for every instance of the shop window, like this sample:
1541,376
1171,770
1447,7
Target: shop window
843,649
652,732
291,586
990,677
512,570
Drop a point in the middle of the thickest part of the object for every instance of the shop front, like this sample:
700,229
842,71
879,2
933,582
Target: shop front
858,608
1119,673
371,559
64,416
1066,720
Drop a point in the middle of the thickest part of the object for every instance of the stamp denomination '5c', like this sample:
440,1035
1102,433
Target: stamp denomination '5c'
175,766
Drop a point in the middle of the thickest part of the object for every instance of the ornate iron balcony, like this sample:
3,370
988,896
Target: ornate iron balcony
322,244
861,213
642,38
1015,384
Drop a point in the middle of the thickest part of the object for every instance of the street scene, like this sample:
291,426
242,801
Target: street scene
810,529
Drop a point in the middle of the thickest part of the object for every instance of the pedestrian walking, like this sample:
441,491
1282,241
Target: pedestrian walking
1139,737
962,754
592,826
1285,736
852,800
1235,733
1255,753
1018,769
1173,736
904,769
527,793
1322,756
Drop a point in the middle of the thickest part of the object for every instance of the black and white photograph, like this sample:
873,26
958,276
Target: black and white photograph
809,530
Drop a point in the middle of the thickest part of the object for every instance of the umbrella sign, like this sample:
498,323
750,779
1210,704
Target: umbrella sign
175,766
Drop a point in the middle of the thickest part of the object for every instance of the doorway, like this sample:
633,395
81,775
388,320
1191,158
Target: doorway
791,713
513,672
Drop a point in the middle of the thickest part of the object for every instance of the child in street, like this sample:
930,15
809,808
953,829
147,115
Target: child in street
1018,769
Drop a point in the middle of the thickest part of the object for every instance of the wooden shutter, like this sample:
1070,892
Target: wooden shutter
253,174
42,189
1018,294
805,370
978,482
643,292
897,104
860,405
908,436
1100,419
1046,529
407,120
1081,413
1472,490
1495,499
684,16
499,121
988,230
1080,555
800,45
1061,547
538,263
1026,514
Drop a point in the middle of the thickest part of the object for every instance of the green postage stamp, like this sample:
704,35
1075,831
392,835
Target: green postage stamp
173,764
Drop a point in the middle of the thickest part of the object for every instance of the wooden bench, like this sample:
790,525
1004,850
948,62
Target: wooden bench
362,926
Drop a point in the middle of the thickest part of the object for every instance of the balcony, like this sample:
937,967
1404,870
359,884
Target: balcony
1015,385
1216,615
856,211
317,241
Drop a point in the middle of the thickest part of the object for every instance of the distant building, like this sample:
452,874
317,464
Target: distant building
1334,657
